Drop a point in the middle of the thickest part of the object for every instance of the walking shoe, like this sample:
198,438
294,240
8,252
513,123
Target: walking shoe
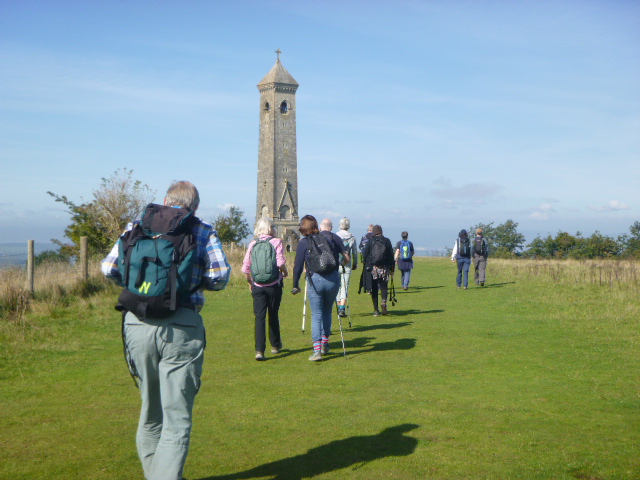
384,308
316,357
376,313
405,288
342,313
260,356
482,284
325,349
275,350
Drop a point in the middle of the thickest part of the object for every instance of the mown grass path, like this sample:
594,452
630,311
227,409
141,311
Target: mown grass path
521,379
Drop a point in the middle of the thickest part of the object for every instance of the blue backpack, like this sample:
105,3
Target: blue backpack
156,259
405,250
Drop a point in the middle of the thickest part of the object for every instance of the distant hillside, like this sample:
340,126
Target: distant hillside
16,253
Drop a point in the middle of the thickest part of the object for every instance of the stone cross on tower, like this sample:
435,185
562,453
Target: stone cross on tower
277,155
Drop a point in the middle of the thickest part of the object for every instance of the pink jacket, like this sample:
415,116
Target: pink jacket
280,259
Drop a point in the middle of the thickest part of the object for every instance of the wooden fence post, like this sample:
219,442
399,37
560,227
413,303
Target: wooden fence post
84,258
30,266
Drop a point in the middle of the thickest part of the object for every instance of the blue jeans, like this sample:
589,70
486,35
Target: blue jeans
463,267
168,355
406,276
322,293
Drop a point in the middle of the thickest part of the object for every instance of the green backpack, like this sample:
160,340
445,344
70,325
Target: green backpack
264,268
156,259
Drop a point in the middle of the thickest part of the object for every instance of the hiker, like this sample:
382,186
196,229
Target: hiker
349,242
320,252
378,267
165,354
404,258
265,267
461,253
363,242
480,254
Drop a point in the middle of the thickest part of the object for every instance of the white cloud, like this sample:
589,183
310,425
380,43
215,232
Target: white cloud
612,206
445,188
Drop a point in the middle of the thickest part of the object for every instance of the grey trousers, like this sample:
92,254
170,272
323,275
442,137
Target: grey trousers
168,355
480,268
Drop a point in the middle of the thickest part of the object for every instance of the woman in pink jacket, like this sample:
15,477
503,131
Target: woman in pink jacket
267,295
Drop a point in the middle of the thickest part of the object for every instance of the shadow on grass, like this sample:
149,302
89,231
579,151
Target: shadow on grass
400,313
415,289
497,285
379,326
363,345
353,451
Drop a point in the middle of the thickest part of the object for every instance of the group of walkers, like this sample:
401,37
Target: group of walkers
464,251
165,260
328,260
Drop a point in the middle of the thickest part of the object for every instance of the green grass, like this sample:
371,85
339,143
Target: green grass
522,379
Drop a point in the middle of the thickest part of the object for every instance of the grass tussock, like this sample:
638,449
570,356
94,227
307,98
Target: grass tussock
60,284
615,274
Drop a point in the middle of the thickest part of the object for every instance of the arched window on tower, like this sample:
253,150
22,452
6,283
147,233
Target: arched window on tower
284,107
284,212
266,106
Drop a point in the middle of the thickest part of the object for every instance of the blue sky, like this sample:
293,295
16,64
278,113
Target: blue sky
417,115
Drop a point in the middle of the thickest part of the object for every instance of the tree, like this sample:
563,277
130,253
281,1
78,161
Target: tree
596,246
118,200
231,227
630,244
50,256
504,240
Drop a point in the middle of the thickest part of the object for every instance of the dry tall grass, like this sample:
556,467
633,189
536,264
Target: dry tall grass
56,283
615,274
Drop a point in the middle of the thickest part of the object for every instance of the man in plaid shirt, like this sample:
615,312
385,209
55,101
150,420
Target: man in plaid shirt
166,355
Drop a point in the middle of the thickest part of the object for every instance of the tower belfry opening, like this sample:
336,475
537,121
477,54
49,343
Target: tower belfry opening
277,195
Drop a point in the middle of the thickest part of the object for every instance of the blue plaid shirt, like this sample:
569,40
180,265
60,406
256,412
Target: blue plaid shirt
212,270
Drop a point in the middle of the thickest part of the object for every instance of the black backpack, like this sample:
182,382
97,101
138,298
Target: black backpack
479,247
377,251
464,247
321,257
156,259
264,267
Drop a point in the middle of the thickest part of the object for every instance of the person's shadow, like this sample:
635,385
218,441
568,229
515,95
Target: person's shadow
336,455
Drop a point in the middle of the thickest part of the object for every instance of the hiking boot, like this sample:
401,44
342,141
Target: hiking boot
384,308
342,313
260,356
482,284
325,349
376,313
316,357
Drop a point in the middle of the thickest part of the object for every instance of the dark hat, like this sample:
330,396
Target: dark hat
463,233
377,230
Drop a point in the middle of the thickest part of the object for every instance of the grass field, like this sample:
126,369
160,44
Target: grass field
526,378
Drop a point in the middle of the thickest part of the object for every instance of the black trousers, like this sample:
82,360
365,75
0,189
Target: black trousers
383,286
266,301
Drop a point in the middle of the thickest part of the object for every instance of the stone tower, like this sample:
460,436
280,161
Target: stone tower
277,155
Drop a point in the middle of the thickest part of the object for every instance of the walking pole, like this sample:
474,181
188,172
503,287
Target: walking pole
304,308
348,306
393,291
344,350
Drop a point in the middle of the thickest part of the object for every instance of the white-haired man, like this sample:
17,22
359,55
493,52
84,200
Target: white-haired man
166,354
